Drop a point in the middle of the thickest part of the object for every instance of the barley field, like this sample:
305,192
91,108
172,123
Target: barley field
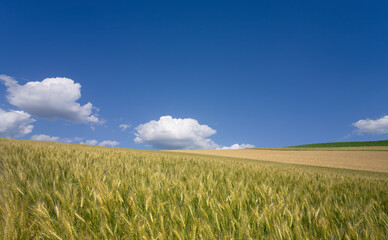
68,191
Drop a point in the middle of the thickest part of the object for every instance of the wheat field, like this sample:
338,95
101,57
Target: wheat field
68,191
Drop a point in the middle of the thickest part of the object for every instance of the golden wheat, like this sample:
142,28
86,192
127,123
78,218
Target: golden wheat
66,191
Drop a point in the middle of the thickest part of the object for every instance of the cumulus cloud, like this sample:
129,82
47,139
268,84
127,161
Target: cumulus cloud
175,133
44,137
109,143
124,126
52,98
238,146
15,123
378,126
179,133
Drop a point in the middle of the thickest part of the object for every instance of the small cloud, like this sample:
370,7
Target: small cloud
109,143
77,139
15,123
8,81
124,126
378,126
175,133
90,142
52,98
44,137
106,143
238,146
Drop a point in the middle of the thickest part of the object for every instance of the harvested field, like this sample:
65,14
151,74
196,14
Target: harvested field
363,148
375,161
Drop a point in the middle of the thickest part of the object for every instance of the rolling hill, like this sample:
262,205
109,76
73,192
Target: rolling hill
68,191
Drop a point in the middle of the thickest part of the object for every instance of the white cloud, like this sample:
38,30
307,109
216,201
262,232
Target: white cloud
8,81
238,146
175,133
44,137
179,133
77,139
90,142
378,126
124,126
15,123
109,143
106,143
52,98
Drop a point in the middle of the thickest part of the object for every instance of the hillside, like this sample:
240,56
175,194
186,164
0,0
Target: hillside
344,144
373,158
69,191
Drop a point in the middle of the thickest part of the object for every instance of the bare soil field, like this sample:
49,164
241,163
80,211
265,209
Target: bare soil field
358,159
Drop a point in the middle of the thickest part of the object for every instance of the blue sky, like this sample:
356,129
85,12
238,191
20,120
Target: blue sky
265,73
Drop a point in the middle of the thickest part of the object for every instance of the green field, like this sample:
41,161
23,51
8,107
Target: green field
344,144
68,191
